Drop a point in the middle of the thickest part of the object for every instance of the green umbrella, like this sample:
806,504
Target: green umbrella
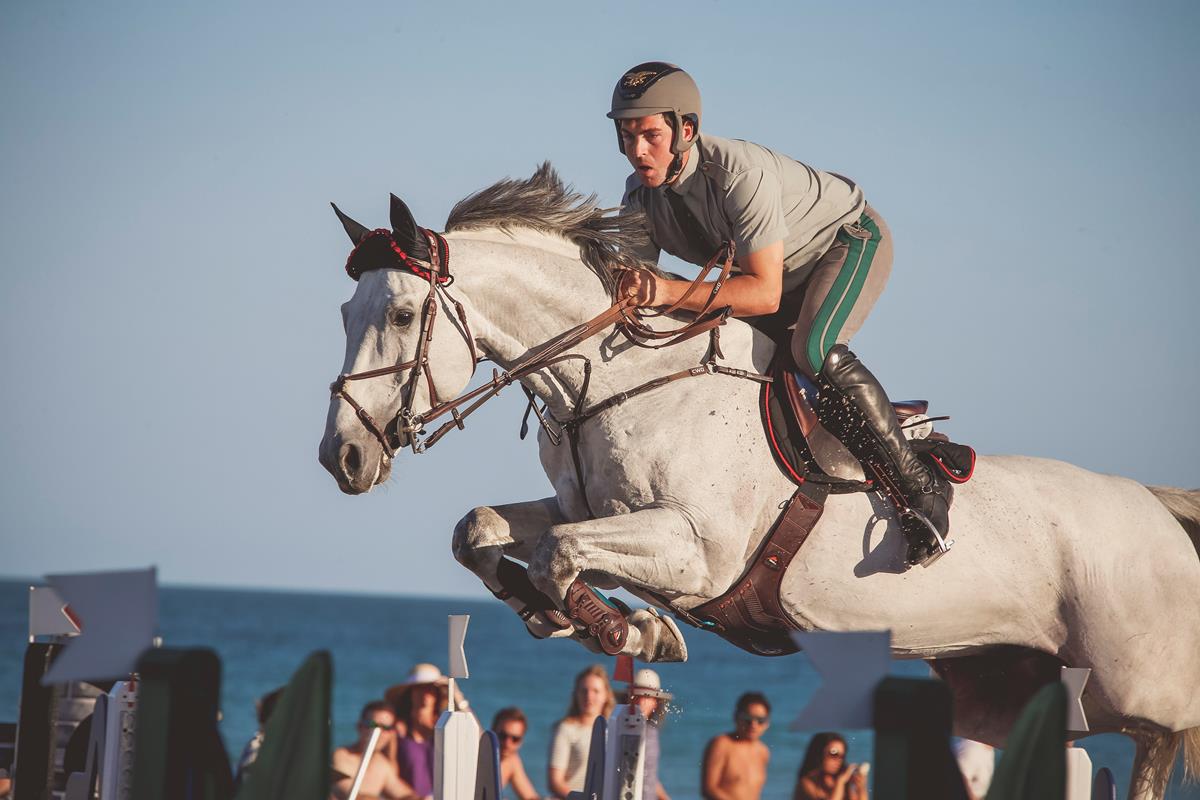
293,763
1034,764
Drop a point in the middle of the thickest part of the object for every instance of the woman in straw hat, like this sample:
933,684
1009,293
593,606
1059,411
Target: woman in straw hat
418,701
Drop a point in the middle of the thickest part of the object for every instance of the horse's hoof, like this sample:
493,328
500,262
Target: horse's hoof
661,639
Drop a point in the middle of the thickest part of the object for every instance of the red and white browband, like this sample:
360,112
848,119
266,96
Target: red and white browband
437,268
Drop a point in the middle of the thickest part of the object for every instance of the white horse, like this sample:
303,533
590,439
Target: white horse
1054,565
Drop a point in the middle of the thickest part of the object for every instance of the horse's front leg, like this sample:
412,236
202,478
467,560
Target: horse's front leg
654,549
487,534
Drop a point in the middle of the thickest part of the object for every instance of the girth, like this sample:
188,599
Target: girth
750,613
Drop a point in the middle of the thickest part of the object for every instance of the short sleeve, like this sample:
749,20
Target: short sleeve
754,208
560,747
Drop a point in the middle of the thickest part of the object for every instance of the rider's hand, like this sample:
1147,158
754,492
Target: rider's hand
639,284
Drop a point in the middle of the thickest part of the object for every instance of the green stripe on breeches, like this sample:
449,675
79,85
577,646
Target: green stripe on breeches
844,293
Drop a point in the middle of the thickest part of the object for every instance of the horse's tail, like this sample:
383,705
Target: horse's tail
1191,753
1155,760
1184,504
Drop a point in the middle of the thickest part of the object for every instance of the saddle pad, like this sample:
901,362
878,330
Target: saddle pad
955,461
783,430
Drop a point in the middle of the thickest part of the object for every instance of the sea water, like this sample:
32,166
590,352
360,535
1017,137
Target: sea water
262,637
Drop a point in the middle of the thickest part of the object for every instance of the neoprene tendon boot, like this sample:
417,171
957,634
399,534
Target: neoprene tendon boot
854,407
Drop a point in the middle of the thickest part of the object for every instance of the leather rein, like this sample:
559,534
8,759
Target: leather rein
408,428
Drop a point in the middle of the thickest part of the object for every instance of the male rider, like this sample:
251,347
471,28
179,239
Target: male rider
810,252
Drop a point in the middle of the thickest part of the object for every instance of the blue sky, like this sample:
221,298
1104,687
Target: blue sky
170,271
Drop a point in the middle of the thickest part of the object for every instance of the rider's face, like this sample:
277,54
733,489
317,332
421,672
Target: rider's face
647,143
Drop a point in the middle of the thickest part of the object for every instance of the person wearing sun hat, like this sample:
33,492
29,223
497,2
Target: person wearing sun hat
647,693
418,701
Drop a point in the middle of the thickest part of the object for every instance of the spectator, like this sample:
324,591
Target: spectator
509,726
263,707
735,764
591,696
651,700
825,774
418,702
380,779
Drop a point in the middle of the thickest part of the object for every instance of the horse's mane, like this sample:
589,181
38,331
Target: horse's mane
606,241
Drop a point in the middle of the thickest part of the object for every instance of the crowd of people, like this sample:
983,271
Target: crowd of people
734,765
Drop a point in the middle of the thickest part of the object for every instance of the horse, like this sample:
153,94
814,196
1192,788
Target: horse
668,491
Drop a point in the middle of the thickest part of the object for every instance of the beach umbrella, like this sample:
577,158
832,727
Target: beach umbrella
293,762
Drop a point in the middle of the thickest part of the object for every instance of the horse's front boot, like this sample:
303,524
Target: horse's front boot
541,617
598,616
856,409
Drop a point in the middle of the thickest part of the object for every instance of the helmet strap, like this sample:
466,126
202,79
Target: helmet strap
674,169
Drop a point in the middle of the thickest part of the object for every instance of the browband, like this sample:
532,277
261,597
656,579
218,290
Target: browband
436,268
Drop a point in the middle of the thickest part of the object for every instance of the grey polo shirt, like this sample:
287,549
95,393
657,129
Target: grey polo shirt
744,192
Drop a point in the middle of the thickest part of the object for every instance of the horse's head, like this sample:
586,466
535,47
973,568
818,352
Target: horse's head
398,362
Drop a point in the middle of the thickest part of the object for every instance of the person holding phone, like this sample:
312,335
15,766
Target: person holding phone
826,774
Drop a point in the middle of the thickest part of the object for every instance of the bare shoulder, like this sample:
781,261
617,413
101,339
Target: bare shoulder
719,744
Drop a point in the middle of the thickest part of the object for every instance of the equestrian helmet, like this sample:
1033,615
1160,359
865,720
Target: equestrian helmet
657,87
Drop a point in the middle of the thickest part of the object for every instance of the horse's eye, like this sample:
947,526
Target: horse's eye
402,319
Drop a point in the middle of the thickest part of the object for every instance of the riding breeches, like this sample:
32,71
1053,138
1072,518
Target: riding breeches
834,301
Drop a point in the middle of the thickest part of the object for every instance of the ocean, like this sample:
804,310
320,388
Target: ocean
262,637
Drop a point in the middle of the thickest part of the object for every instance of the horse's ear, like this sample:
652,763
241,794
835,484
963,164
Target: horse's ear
403,222
355,231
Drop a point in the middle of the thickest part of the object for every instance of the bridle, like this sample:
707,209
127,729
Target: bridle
437,272
407,427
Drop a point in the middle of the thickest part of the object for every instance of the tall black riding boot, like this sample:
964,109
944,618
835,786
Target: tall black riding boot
854,407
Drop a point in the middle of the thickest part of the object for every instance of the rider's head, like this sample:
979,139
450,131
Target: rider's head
656,110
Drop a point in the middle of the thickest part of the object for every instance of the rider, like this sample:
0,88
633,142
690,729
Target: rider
811,252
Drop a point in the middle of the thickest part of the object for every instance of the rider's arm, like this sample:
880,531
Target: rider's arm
753,204
756,291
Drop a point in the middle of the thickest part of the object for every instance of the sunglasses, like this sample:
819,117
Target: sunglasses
835,753
502,736
370,723
754,718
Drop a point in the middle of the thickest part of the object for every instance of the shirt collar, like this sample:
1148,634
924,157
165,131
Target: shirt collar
681,184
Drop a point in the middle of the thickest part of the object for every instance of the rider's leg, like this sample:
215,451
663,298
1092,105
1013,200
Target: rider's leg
855,408
839,294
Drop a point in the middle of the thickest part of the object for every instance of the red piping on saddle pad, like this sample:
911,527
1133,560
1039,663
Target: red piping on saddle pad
955,477
766,395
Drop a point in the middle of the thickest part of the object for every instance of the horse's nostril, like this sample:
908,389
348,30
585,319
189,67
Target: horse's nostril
351,460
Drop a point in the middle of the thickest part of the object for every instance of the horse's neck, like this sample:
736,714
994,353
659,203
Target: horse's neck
529,287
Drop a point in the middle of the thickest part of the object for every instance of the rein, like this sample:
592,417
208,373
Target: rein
409,427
